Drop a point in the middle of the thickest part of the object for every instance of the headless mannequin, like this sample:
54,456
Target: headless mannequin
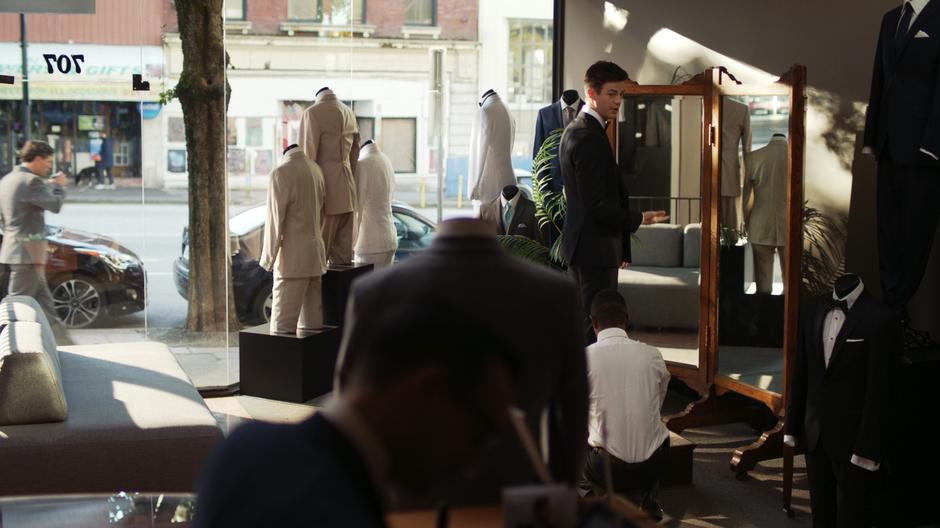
845,284
289,147
570,96
510,192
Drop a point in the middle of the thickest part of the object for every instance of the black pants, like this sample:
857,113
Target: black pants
908,208
591,280
840,492
102,172
637,481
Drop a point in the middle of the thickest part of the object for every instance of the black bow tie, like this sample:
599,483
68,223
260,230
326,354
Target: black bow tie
835,304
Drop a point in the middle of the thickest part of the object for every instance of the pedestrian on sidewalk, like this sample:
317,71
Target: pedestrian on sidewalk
105,163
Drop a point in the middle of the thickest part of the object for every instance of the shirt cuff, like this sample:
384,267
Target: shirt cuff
868,150
931,154
790,440
864,463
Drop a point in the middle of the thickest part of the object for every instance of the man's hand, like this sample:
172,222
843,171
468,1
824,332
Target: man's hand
624,265
654,217
59,179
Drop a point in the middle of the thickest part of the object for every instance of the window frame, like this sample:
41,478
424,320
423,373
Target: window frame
244,12
529,28
360,21
432,23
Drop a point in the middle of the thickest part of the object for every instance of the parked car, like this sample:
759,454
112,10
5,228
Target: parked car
252,284
91,276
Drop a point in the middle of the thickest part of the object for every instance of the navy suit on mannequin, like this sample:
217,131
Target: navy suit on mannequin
902,130
550,119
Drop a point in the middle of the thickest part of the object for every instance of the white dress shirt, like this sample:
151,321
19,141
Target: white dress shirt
564,110
832,325
590,111
628,385
514,202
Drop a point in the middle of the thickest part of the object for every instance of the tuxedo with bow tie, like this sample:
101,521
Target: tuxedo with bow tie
902,130
839,403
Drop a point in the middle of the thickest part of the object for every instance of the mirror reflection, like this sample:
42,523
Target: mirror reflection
753,228
660,156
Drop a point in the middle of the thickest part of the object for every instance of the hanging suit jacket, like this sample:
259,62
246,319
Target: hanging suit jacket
523,220
293,243
599,222
844,406
735,131
24,199
329,136
491,140
375,183
550,119
766,178
904,105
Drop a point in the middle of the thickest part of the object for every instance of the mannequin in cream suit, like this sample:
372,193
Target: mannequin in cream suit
735,131
329,136
765,208
293,245
377,240
491,149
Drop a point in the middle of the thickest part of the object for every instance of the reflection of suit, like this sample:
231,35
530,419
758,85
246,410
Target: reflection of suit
288,475
24,199
735,131
841,410
474,275
329,136
376,240
523,220
550,119
903,119
293,246
766,218
491,138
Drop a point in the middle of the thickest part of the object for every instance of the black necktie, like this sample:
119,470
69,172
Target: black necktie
835,304
903,26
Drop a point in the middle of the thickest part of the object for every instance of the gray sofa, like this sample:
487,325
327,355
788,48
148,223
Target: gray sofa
134,421
661,285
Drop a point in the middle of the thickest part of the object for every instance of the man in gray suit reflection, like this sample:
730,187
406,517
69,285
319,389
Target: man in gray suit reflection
25,196
765,209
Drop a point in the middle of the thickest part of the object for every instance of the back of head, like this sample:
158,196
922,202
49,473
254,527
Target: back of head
33,149
602,72
609,309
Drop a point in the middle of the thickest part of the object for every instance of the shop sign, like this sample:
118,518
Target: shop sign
150,110
91,122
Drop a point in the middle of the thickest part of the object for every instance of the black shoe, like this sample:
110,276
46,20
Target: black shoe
653,509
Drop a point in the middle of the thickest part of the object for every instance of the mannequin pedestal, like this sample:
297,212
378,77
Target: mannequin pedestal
286,367
336,284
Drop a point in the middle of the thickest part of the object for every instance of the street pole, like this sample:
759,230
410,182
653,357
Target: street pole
438,88
27,120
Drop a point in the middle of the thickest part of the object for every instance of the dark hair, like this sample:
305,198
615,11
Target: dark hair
35,149
604,72
609,309
426,332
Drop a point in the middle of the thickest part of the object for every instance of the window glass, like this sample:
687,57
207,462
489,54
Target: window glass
398,142
334,12
419,12
234,9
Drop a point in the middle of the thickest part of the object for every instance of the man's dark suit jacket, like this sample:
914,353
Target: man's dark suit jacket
598,223
523,220
550,119
305,474
904,107
846,405
507,295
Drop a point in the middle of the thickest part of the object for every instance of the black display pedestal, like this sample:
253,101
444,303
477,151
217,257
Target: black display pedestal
336,285
286,367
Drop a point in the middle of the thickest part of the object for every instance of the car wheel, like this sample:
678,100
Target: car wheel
78,301
261,308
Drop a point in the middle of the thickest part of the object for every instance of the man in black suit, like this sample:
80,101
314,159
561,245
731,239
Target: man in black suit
599,220
839,400
902,131
420,407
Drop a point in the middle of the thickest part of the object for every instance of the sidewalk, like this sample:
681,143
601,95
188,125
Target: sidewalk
138,195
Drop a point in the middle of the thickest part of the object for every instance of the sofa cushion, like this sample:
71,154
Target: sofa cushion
692,246
25,308
657,245
135,423
31,390
661,297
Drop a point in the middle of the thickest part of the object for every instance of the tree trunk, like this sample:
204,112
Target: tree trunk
203,92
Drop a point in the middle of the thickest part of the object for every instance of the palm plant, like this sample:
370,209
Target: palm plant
550,207
822,260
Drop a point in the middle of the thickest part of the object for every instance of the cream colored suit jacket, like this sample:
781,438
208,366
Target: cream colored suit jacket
293,243
375,183
766,217
491,138
735,130
329,136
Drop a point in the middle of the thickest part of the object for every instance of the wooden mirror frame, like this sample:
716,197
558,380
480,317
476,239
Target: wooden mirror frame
712,409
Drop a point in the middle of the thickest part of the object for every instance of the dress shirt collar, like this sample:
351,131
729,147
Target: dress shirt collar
852,296
515,200
611,333
918,5
590,111
326,95
572,105
465,227
24,168
374,456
